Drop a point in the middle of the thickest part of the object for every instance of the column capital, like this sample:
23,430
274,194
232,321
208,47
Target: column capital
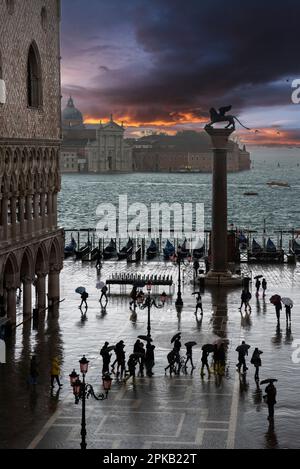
41,274
55,269
219,137
27,279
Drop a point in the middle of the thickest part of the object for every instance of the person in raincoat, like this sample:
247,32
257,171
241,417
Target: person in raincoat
271,399
242,352
288,310
257,286
55,372
264,286
256,361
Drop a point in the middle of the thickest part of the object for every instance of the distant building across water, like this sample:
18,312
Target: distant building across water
103,149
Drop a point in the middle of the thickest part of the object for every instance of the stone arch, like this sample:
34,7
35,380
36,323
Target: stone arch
26,265
55,258
34,77
10,272
40,264
8,161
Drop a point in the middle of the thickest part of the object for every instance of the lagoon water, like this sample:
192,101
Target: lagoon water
279,206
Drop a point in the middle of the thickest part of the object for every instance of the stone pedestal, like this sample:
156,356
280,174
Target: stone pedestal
219,273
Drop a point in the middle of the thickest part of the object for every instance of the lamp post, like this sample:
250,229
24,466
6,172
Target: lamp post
178,258
83,391
148,303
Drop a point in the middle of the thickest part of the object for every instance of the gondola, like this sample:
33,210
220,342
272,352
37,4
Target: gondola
243,241
70,248
296,247
169,250
270,246
152,250
126,251
256,247
184,251
110,250
84,251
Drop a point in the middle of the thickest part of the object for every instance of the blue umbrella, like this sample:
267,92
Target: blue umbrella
80,290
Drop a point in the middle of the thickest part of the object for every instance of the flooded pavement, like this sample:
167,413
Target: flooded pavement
158,412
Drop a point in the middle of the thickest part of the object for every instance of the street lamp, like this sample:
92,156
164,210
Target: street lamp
83,391
178,258
149,302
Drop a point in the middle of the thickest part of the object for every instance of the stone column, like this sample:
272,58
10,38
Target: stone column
29,215
36,212
22,216
219,265
50,209
27,296
41,291
12,304
54,289
4,206
43,211
54,210
13,212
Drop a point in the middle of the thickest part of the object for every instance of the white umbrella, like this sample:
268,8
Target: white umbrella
100,285
287,302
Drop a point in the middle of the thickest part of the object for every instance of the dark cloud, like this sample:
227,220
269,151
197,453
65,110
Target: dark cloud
190,55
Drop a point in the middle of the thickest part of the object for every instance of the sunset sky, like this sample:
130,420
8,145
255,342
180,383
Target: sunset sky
161,64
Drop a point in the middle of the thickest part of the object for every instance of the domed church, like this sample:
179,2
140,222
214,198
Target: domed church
71,116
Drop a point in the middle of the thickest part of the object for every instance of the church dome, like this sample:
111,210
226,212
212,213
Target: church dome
71,116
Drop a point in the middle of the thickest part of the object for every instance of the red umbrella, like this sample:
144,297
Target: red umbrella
275,299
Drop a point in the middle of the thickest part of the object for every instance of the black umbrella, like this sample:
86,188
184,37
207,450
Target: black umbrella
111,348
145,337
176,336
269,380
190,344
209,348
242,348
139,283
258,276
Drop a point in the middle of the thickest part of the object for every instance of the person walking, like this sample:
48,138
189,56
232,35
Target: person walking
199,304
257,286
242,352
189,356
278,308
55,372
33,371
132,362
149,359
120,355
104,295
171,357
245,298
84,297
98,264
106,356
288,310
177,348
133,296
204,361
271,399
256,361
264,286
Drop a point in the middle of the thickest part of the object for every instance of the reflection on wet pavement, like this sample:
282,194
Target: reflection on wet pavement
180,412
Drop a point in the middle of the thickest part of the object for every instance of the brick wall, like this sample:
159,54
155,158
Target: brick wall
17,31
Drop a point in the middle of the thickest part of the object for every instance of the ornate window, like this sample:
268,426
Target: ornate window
34,77
10,4
44,18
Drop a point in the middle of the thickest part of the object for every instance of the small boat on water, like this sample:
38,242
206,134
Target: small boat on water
126,251
110,250
278,183
296,247
250,193
70,248
84,251
169,250
256,247
270,246
152,250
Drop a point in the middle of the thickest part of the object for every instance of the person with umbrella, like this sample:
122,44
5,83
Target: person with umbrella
206,350
288,304
139,350
257,286
256,361
276,301
270,397
245,298
189,354
264,286
84,296
242,352
120,358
